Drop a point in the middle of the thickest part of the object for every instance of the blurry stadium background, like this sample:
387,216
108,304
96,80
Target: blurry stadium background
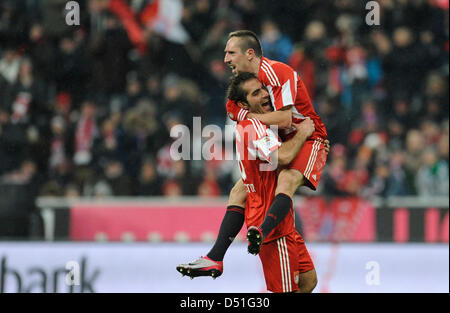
86,177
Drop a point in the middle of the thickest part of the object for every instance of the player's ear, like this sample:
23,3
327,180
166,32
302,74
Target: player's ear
243,105
250,54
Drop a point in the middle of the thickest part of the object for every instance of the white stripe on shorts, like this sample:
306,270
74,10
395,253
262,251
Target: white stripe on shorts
289,289
312,158
284,264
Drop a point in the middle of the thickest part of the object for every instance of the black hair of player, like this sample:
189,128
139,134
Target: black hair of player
249,40
235,91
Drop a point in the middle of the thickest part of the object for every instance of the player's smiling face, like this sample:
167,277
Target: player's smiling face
257,97
235,58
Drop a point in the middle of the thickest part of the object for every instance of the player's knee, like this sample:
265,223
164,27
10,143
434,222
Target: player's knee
289,181
238,194
307,283
311,284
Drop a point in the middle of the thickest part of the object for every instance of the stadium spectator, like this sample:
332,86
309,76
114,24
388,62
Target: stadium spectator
27,95
59,143
9,65
209,187
70,68
276,45
133,90
71,191
108,55
415,142
14,146
115,176
102,189
85,134
114,143
301,62
41,51
172,189
149,183
335,172
377,186
404,63
398,181
51,189
432,177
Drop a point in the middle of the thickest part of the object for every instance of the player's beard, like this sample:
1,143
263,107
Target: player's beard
257,109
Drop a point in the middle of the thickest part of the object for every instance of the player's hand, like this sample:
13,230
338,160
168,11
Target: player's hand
326,144
235,112
306,127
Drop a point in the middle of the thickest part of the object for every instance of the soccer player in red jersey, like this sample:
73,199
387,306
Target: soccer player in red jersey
286,262
288,94
291,102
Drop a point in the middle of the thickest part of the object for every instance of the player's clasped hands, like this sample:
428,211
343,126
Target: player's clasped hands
326,144
306,127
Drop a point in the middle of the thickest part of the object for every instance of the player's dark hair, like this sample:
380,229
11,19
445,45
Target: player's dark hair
249,40
235,91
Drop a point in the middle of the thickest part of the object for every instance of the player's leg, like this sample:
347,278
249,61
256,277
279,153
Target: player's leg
238,194
289,180
231,223
307,281
212,264
305,169
281,263
307,277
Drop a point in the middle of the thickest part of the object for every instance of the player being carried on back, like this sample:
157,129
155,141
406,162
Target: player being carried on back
291,104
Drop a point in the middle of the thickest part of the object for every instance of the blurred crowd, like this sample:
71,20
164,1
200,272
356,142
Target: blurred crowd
86,110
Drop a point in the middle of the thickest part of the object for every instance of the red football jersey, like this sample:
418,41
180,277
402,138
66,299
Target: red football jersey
285,88
255,145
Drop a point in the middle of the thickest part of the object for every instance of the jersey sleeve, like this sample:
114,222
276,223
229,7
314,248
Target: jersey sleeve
281,83
234,112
